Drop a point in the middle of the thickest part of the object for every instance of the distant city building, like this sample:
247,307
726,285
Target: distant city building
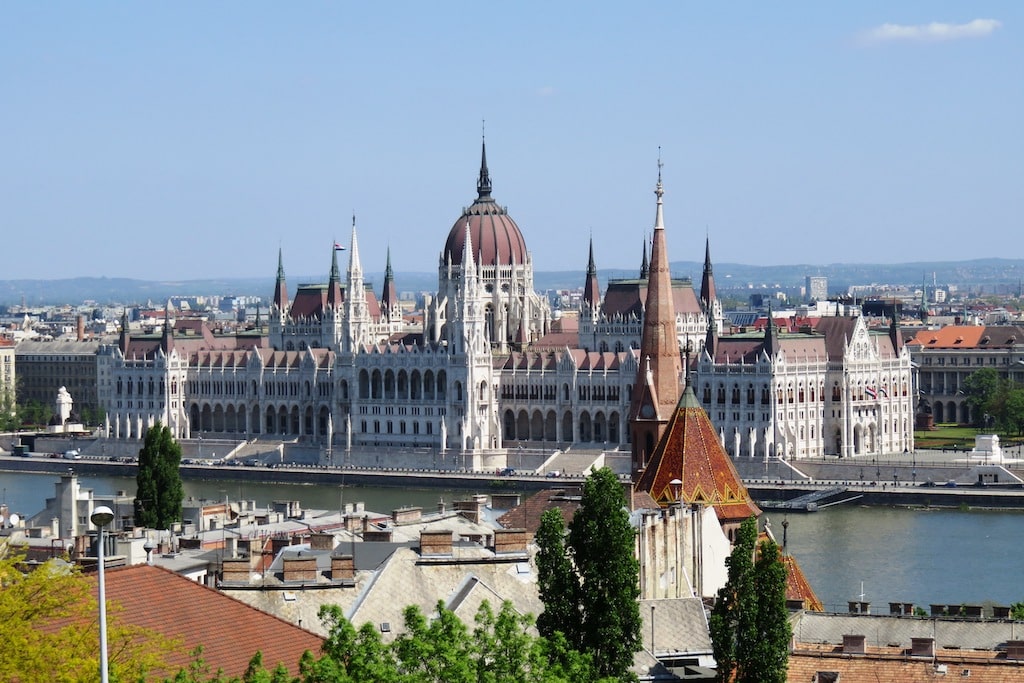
817,288
946,357
837,389
45,366
487,365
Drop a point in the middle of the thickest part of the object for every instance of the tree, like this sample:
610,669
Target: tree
599,613
1014,405
556,579
981,388
749,625
159,492
48,627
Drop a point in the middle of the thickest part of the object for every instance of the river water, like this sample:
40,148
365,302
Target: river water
898,555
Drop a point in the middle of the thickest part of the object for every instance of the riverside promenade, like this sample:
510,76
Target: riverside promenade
927,478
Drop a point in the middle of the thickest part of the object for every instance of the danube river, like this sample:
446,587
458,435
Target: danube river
898,555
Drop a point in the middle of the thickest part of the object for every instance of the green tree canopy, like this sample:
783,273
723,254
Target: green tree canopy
749,623
158,492
48,627
981,388
590,585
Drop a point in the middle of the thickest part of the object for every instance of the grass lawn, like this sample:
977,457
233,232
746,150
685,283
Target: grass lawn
955,436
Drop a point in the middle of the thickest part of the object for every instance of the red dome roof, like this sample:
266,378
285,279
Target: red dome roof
495,236
496,239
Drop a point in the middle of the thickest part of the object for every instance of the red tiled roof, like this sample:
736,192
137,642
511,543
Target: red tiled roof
626,298
970,337
798,587
230,631
689,450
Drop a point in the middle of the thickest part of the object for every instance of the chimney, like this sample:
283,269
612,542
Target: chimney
300,568
1015,649
279,543
510,540
407,515
436,542
343,568
80,327
922,647
853,644
235,570
321,541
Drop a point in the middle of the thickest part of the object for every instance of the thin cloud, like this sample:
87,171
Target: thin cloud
546,91
934,32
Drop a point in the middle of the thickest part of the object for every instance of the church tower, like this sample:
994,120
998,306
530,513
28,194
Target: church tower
656,390
279,308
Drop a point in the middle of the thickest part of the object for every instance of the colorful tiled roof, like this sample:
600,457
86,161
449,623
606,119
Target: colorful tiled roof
689,450
230,631
969,337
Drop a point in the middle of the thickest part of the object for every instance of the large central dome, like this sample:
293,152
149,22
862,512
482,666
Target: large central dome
495,236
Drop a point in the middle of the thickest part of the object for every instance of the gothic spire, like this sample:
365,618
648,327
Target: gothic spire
389,297
167,337
591,289
334,283
656,390
771,334
645,269
707,281
483,183
280,288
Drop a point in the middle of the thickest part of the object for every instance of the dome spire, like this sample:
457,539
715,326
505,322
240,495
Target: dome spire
483,183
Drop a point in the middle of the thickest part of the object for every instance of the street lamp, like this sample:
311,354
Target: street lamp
101,517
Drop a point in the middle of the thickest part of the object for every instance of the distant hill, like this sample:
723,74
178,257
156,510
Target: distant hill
978,273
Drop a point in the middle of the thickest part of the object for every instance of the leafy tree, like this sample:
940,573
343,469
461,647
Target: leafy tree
1013,420
159,492
769,657
556,579
598,613
981,387
500,649
48,627
749,625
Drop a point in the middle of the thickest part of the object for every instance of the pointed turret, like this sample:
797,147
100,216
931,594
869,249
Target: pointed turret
123,340
895,336
357,315
591,289
167,337
711,338
656,390
771,334
483,183
280,288
334,282
645,269
707,281
389,296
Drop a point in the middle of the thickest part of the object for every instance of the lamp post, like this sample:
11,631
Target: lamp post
101,517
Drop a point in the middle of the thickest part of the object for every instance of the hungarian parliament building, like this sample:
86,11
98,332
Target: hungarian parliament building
487,365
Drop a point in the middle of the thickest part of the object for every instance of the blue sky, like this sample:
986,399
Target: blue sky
190,140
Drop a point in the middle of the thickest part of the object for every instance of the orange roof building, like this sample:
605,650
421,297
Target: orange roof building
689,451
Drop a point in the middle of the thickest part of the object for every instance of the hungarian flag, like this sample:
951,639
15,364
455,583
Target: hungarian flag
870,391
338,247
